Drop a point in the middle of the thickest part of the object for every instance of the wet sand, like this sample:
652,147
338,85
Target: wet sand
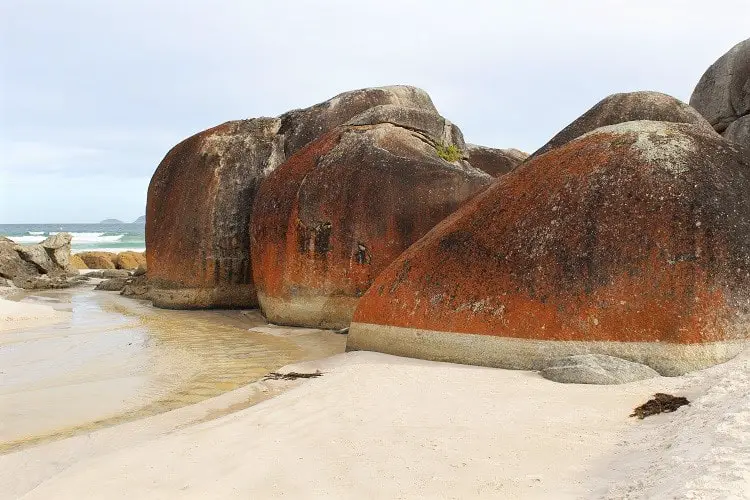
112,360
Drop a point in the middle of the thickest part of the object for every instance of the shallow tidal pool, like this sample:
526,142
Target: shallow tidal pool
118,359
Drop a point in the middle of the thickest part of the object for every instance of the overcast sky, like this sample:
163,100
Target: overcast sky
94,93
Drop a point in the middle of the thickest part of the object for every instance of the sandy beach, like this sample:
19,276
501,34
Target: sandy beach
379,426
15,315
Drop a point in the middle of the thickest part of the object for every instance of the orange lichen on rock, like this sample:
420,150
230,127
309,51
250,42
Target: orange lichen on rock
334,215
633,233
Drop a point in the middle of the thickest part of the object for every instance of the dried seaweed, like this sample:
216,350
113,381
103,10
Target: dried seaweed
291,375
662,403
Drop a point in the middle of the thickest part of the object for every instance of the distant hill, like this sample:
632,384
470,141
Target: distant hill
140,220
111,221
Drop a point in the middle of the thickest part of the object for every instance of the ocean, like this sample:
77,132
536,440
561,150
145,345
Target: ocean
86,237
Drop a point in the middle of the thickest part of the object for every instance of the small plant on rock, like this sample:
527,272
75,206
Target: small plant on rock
449,153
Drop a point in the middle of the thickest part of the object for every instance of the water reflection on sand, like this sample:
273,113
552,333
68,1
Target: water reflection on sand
119,359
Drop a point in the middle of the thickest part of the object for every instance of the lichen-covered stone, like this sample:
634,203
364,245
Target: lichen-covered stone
626,107
129,260
76,262
328,220
98,260
632,240
201,197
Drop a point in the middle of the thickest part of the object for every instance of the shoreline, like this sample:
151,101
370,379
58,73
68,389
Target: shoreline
116,360
400,427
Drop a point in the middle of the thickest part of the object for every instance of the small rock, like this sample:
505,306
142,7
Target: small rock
596,369
112,285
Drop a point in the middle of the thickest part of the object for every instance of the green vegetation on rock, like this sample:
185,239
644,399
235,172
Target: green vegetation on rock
449,153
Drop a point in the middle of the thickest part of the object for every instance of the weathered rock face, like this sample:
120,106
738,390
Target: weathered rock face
626,107
11,263
739,131
98,260
632,241
199,202
722,95
39,266
495,162
328,220
58,249
200,199
37,255
596,369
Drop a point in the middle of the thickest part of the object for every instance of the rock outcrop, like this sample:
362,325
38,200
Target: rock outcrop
335,214
722,95
201,197
39,266
495,162
129,260
632,240
57,247
76,262
11,263
98,260
596,369
112,284
38,256
627,107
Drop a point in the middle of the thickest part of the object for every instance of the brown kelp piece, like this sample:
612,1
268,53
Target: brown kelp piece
661,403
292,375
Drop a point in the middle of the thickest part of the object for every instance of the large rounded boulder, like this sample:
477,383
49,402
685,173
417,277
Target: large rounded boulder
722,95
626,107
631,241
201,197
335,214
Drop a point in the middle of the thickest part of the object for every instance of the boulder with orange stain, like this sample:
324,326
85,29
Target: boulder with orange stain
632,240
626,107
335,214
201,196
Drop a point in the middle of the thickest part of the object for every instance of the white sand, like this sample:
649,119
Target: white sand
700,452
15,315
378,426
